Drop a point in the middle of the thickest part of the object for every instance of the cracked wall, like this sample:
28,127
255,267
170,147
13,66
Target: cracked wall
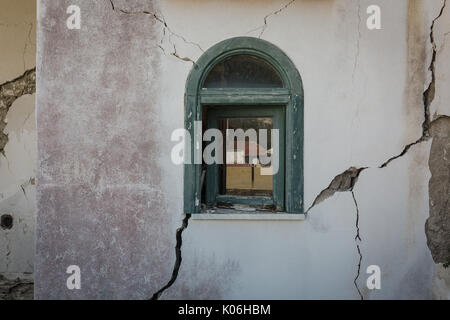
438,224
380,91
17,147
105,179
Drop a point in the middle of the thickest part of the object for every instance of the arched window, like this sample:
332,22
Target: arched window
249,84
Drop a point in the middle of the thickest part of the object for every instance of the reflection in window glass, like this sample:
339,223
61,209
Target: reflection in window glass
244,172
243,71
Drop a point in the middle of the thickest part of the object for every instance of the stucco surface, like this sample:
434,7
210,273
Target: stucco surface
17,144
363,105
18,192
110,200
100,205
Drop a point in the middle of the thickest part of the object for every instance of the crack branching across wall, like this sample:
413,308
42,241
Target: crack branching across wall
159,18
341,183
9,92
428,95
266,17
264,27
346,181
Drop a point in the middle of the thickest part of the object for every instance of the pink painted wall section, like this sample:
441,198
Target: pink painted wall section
99,202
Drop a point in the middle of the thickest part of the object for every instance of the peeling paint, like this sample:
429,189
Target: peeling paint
437,227
341,183
18,289
344,182
10,92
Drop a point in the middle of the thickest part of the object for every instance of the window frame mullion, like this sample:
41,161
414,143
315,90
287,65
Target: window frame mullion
240,96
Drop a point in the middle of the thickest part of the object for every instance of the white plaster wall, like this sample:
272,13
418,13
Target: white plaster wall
17,190
17,165
18,38
356,114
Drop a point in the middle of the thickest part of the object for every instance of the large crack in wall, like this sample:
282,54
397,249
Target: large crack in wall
10,91
341,183
167,32
178,258
437,227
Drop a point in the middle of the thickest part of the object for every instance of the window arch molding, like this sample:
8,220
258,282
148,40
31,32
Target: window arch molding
291,96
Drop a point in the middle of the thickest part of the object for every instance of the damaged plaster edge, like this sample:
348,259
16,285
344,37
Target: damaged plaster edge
10,91
343,182
346,180
178,258
26,73
15,287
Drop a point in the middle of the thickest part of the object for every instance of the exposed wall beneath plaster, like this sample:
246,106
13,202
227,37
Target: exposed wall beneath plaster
437,227
17,147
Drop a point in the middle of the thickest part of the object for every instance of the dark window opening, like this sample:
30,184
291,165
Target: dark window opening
243,71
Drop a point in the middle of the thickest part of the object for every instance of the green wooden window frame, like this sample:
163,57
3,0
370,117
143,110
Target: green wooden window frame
289,98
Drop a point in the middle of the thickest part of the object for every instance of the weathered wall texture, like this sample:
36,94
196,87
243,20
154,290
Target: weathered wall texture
370,120
438,225
17,146
100,129
110,200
